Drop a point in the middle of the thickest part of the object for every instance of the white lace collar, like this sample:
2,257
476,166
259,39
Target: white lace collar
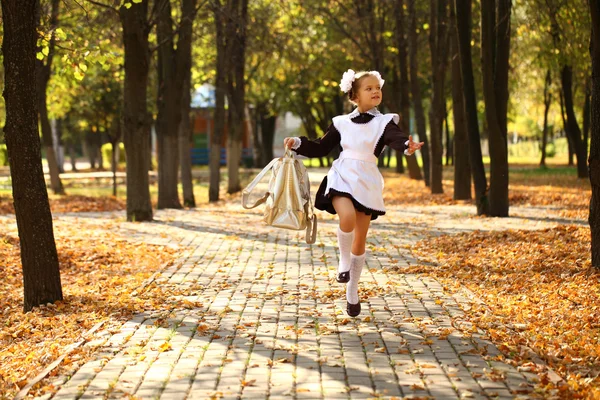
373,111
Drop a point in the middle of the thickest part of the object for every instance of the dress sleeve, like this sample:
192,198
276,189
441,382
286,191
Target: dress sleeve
320,147
395,137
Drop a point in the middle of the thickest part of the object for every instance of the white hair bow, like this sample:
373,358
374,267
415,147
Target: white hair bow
349,77
347,80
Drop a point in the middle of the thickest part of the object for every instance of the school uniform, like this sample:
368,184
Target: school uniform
355,175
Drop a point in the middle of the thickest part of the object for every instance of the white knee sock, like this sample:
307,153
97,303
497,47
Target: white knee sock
345,240
357,263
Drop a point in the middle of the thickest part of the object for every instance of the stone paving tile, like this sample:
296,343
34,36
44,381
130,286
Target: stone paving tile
272,323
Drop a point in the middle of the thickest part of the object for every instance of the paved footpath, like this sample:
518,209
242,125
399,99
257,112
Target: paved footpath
270,321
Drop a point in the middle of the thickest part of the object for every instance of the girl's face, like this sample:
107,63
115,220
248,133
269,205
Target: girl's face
369,94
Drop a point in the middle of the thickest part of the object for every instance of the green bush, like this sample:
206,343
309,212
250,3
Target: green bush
3,155
107,154
550,150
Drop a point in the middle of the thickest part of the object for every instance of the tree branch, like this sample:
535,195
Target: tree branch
99,4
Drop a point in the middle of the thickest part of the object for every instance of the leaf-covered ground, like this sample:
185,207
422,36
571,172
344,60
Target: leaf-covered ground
539,296
98,275
561,191
71,203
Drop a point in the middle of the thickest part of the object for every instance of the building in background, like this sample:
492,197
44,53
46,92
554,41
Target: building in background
203,127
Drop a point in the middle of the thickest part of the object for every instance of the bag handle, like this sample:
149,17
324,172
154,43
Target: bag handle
252,185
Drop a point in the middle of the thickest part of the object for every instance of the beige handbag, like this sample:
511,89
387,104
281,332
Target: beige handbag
288,202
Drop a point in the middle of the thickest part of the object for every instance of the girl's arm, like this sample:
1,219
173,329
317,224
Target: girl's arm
397,139
320,147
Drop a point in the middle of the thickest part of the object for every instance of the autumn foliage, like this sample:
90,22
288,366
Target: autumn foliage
535,294
98,275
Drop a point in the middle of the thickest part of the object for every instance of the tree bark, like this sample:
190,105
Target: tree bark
44,70
236,90
414,171
463,26
267,125
594,160
174,64
462,166
136,119
415,88
438,44
185,144
495,44
573,129
547,101
448,140
586,115
220,91
570,146
168,103
41,274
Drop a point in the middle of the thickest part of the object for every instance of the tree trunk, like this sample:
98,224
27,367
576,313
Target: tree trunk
594,161
59,148
267,125
586,116
573,129
73,156
414,171
220,91
462,167
39,259
570,146
547,101
236,93
136,119
415,88
173,67
186,143
448,139
43,71
463,26
495,44
257,146
438,43
114,162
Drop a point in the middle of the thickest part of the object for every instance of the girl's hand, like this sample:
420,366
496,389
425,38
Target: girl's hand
288,142
413,146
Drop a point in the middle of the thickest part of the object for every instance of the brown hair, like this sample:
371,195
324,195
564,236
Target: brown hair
353,92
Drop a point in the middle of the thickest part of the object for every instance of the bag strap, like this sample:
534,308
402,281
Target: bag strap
311,230
311,224
252,185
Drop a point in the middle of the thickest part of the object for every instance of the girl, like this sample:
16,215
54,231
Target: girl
353,188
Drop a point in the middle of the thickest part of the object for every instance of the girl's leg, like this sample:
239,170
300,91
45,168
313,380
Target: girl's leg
345,234
357,261
363,221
